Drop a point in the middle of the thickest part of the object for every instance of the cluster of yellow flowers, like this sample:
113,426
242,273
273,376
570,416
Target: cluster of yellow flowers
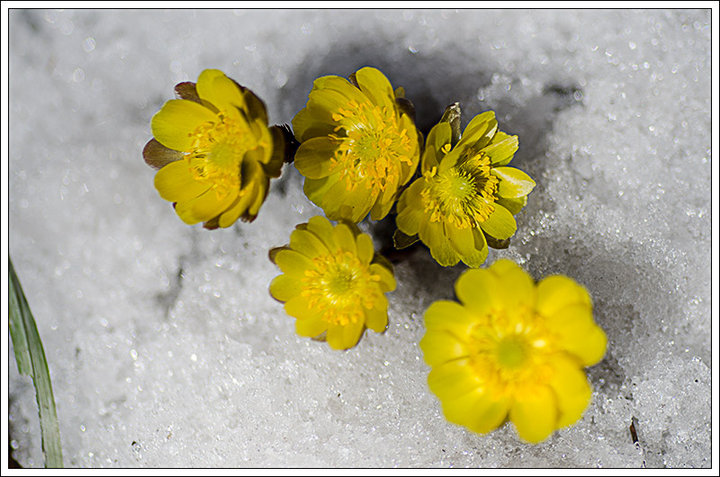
511,349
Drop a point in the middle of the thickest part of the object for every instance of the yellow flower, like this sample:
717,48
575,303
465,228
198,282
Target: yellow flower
466,196
512,348
215,151
333,282
358,145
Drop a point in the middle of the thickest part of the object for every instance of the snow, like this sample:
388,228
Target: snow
165,348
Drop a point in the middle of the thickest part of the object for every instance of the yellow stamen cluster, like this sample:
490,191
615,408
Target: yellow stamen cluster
510,353
340,286
217,152
373,147
464,194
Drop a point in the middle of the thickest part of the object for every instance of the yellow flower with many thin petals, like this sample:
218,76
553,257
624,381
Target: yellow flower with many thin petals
215,151
358,145
467,195
512,349
333,282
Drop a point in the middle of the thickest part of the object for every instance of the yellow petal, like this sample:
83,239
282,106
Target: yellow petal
307,243
478,290
432,235
341,86
278,153
344,337
175,183
463,241
595,346
293,263
535,414
204,207
578,334
513,183
452,379
450,316
501,149
344,238
221,91
376,87
409,220
476,410
500,224
240,206
503,266
558,291
439,346
439,136
339,203
323,230
255,107
480,241
313,158
299,307
478,132
312,122
410,212
387,280
365,248
316,189
310,327
324,101
408,170
260,192
385,199
516,288
571,388
285,287
513,205
173,126
376,318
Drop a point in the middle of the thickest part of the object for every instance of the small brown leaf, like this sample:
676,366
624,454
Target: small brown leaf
452,115
497,243
272,253
158,156
187,90
402,240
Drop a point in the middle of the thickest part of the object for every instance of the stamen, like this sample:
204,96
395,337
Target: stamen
217,152
508,352
339,286
373,147
462,195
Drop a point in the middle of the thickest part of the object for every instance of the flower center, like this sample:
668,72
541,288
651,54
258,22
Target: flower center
512,352
464,194
372,148
509,351
339,286
217,153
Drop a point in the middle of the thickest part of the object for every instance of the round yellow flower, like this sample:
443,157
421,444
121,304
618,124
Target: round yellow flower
512,348
333,282
215,151
358,145
467,195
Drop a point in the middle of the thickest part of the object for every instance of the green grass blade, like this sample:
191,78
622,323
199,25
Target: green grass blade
17,333
33,348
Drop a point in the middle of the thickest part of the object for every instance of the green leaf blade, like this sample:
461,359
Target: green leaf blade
29,340
17,332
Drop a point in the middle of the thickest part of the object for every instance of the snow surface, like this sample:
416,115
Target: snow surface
165,348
